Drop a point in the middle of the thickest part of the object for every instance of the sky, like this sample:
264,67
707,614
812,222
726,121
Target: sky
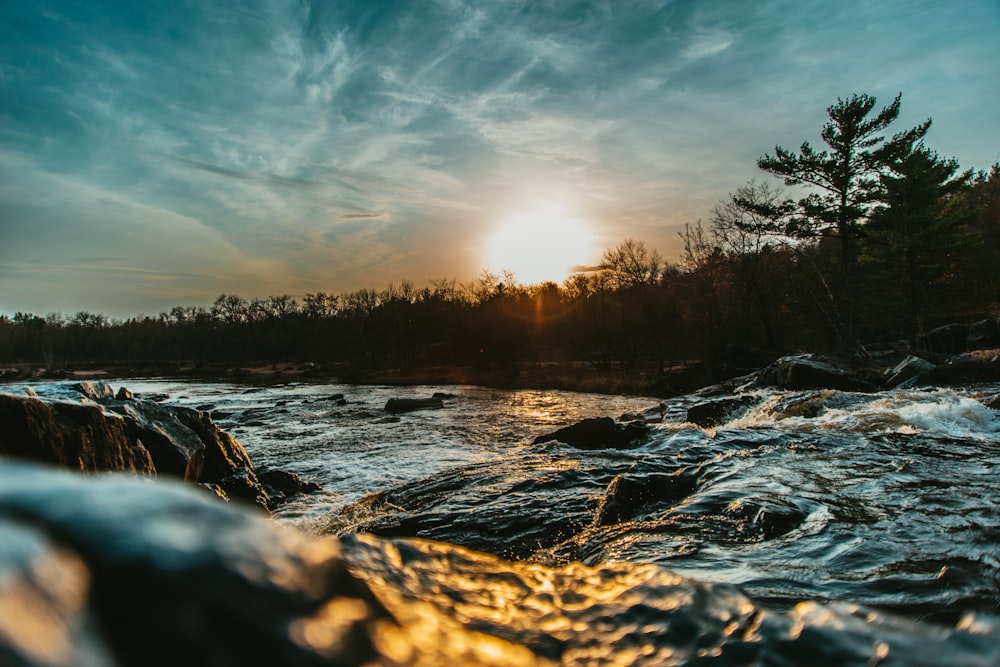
161,154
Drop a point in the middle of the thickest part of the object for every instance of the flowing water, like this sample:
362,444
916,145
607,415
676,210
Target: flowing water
889,500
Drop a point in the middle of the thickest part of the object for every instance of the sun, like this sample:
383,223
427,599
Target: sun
540,244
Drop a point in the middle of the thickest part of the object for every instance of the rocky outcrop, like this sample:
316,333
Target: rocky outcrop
108,571
107,431
599,433
71,435
807,372
909,372
720,410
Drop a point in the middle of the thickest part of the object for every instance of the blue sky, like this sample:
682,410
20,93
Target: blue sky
159,154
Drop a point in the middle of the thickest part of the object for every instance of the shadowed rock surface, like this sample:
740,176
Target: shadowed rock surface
94,429
599,433
108,570
398,406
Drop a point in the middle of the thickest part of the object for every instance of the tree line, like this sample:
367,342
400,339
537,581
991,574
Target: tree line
886,240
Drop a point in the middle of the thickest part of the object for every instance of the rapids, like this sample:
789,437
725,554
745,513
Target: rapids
889,500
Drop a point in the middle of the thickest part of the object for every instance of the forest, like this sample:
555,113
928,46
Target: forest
886,241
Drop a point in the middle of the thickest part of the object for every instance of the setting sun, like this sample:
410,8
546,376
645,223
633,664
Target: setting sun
542,243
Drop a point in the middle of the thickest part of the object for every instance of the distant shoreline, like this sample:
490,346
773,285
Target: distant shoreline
564,376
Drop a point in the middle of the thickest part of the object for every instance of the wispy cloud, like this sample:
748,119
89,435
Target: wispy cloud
326,145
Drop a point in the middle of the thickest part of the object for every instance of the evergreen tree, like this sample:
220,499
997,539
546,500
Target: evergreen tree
847,177
918,244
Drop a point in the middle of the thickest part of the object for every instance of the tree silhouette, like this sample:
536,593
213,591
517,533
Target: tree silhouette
847,177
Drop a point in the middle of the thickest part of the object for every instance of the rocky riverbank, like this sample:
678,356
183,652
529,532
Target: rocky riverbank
92,428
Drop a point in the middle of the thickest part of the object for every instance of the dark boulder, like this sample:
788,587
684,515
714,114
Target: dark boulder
400,405
950,338
281,484
994,403
72,435
132,435
95,391
909,372
720,410
984,334
806,372
175,448
967,369
599,433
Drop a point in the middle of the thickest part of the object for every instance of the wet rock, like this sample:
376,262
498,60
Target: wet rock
72,435
281,484
531,502
400,405
651,415
909,372
805,372
994,403
111,571
132,574
720,410
769,520
599,433
337,399
629,494
175,448
124,395
133,435
95,391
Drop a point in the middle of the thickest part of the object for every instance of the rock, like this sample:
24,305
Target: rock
72,435
129,574
175,448
95,391
400,405
112,571
909,371
627,495
124,395
966,369
650,415
804,372
281,484
133,435
994,403
983,335
599,433
720,410
950,338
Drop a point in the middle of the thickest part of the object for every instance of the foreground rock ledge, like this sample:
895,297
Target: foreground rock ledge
111,570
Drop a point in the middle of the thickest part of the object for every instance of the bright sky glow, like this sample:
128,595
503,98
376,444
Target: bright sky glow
155,154
542,243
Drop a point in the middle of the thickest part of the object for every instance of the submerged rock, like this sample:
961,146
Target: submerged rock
111,571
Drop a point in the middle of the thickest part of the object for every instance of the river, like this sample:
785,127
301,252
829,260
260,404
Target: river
888,500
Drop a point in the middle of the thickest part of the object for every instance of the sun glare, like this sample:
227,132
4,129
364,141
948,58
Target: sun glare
540,244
